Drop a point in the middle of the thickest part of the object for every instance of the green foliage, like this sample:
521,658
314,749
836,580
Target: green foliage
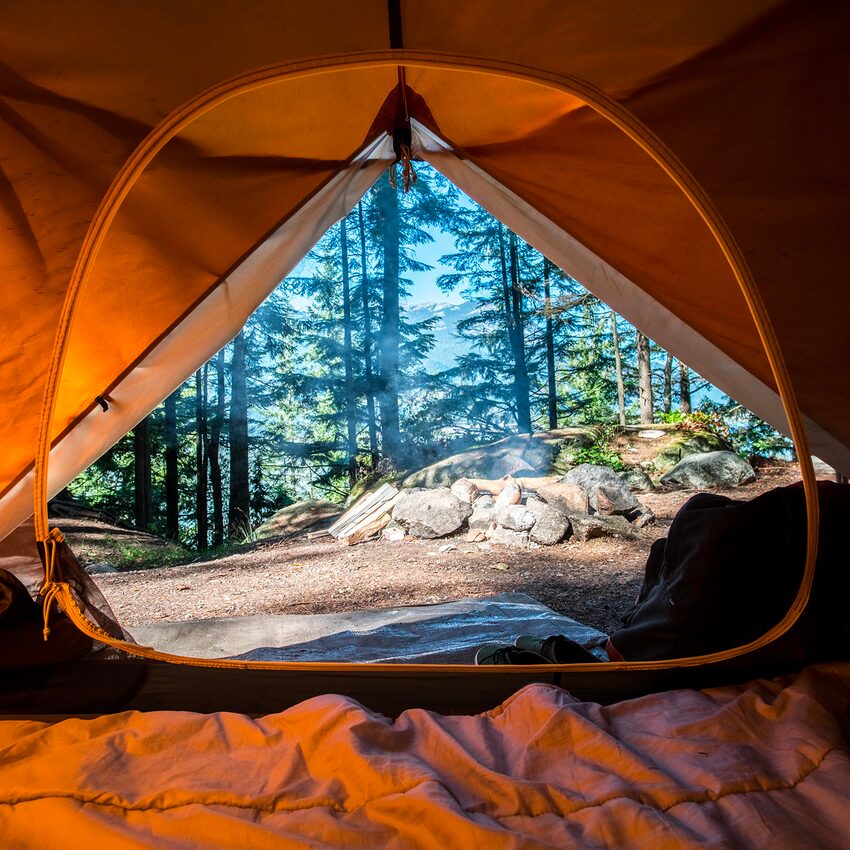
136,556
749,435
707,419
600,452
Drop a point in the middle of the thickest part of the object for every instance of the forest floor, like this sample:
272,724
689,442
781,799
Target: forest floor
594,582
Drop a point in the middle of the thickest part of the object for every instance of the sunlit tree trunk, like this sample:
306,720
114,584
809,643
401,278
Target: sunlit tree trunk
668,383
644,379
367,342
618,368
201,506
551,395
239,509
512,294
142,466
684,389
172,473
350,400
216,426
387,200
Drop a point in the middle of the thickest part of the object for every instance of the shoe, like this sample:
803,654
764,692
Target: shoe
556,649
497,653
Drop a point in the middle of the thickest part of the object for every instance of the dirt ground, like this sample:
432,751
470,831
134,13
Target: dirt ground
594,582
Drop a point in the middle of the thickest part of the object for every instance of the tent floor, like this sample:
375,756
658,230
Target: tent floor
98,686
443,633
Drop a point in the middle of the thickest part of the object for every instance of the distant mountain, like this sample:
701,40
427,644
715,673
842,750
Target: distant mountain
448,345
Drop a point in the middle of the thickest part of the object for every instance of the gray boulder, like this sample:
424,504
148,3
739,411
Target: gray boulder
607,493
587,527
430,513
636,479
515,517
465,490
688,443
506,537
483,512
550,526
100,569
543,453
709,470
567,498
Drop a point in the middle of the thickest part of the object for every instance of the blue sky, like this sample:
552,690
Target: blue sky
425,289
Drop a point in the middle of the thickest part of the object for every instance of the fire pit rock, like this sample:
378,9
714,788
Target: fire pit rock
708,470
607,493
550,526
483,512
515,517
508,537
465,490
430,513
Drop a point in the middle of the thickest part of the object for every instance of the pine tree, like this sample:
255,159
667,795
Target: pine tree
214,451
644,379
172,472
142,475
239,509
201,507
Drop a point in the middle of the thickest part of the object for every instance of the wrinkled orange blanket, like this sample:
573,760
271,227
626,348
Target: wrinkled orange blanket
764,765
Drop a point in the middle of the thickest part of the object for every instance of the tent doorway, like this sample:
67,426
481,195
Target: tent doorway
666,164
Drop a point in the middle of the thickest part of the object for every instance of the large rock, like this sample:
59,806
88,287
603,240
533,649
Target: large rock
586,527
506,537
607,493
515,517
483,513
430,513
543,453
636,479
550,526
301,516
688,443
709,470
465,490
565,496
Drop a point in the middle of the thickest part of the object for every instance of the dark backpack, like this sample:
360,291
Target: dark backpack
728,571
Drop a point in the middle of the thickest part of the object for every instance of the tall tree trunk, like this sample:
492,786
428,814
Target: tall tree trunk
618,368
684,389
521,382
172,473
512,295
215,452
387,200
201,507
142,466
350,409
239,511
644,379
367,342
552,394
668,383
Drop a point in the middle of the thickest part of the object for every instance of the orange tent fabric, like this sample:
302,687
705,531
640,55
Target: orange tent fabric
748,97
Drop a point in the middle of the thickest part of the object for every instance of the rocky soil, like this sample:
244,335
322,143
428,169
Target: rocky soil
595,581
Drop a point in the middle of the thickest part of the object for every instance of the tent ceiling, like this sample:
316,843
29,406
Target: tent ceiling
750,99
